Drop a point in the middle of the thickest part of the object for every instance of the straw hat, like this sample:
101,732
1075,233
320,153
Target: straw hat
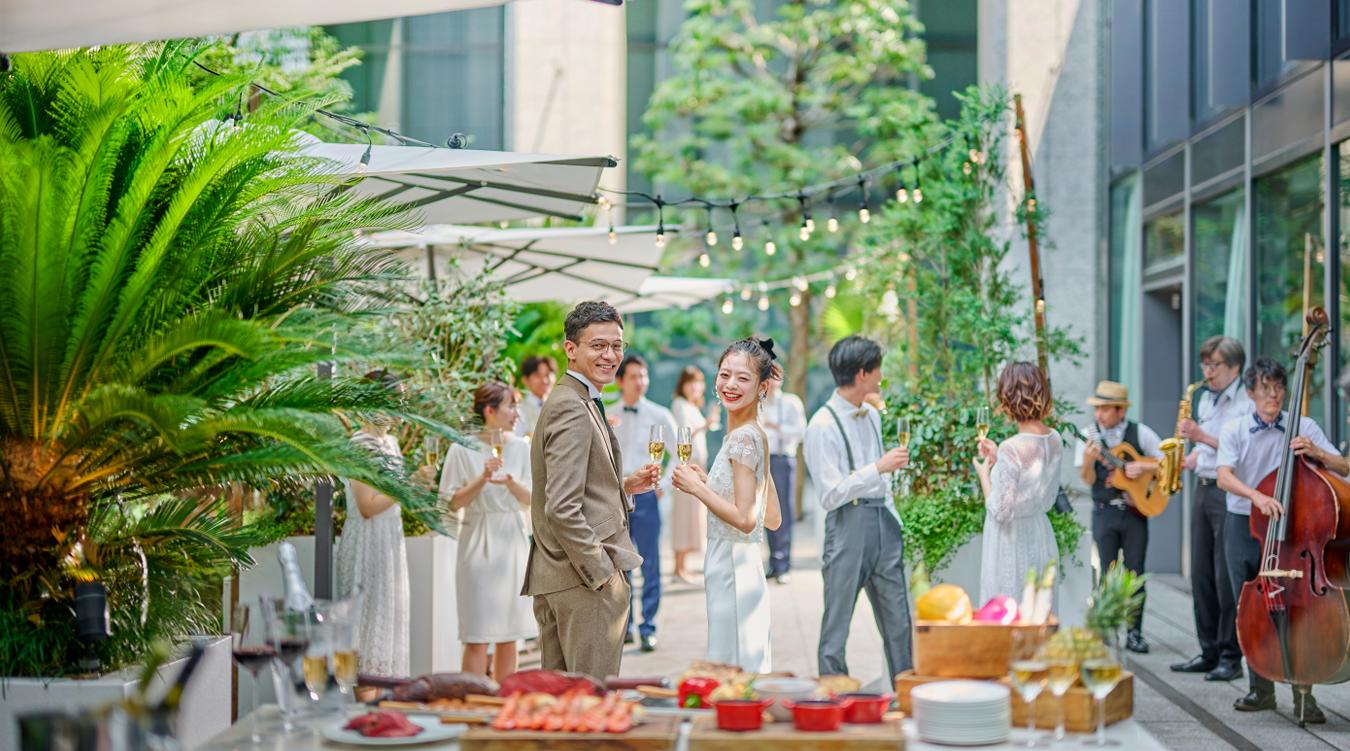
1110,394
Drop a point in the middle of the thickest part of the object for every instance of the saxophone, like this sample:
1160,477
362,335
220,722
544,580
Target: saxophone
1169,469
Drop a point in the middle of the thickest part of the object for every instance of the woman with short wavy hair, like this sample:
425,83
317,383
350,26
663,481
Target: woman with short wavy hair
1020,478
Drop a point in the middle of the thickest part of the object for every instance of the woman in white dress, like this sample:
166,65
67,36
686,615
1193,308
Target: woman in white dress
1020,478
494,539
736,490
371,554
688,517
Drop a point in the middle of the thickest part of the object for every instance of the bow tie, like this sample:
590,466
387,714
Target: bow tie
1260,426
627,408
860,414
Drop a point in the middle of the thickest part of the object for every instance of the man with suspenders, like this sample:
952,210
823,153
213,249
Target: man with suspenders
863,542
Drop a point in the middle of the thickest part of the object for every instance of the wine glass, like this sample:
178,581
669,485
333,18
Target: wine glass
1062,672
345,659
252,652
656,443
982,422
497,442
1028,674
433,450
1101,675
288,637
684,444
318,650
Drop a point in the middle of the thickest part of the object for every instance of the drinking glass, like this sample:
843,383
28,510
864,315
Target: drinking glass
982,422
1101,675
496,440
252,652
656,443
287,635
1028,674
318,651
1063,672
684,444
433,451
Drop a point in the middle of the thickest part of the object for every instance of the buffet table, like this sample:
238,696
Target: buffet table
1129,733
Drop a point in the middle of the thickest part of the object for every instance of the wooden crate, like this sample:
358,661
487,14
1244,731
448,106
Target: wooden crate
1080,713
886,736
970,650
654,734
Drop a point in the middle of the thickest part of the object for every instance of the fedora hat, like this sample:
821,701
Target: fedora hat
1110,394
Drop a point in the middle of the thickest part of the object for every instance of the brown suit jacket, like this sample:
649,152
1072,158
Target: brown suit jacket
580,512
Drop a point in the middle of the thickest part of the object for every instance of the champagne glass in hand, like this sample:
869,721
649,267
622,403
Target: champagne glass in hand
656,443
497,441
684,444
251,652
982,422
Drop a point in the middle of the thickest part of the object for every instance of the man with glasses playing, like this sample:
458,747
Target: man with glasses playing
1250,447
1223,398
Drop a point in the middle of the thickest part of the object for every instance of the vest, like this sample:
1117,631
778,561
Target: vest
1101,492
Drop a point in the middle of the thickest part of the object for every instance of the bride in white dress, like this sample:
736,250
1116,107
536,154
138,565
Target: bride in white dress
735,490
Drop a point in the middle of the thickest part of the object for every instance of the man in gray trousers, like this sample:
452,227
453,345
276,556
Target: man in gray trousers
863,543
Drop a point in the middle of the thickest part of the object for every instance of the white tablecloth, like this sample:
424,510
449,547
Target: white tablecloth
1130,734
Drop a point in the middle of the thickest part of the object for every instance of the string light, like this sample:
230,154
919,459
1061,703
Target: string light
917,193
704,260
801,284
660,223
901,193
737,242
808,224
831,224
851,274
830,291
711,236
745,293
795,300
763,302
864,214
609,214
728,306
770,247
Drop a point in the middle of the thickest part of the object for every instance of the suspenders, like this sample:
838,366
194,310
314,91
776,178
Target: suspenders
848,449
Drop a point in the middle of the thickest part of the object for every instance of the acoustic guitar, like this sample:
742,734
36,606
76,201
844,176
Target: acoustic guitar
1143,491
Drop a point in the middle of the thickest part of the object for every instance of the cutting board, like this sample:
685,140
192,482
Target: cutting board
654,734
886,736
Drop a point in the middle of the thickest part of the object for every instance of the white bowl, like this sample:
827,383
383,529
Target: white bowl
777,689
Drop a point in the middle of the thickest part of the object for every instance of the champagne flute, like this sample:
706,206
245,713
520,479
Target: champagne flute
902,437
656,443
1063,672
982,422
251,652
345,659
315,662
684,444
1101,675
433,449
497,441
1028,674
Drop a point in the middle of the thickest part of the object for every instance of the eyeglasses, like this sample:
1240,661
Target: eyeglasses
1269,390
598,348
1211,365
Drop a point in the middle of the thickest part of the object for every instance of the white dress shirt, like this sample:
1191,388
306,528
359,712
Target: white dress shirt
529,409
1253,455
634,429
787,412
590,387
1212,412
1111,437
827,460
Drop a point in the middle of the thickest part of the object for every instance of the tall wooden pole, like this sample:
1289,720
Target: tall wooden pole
1037,289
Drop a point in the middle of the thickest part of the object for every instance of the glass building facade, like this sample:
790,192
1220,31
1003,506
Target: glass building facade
1228,138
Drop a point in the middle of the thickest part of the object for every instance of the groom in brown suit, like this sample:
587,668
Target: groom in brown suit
580,508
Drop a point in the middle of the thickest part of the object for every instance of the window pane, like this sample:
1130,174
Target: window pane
1289,262
1268,17
1124,279
1218,241
1164,242
1202,99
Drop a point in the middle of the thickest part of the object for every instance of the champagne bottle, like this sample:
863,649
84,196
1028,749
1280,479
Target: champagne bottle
297,595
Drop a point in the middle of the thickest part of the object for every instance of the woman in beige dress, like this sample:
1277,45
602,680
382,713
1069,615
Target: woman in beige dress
689,517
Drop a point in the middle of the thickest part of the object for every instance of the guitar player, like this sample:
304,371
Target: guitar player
1116,525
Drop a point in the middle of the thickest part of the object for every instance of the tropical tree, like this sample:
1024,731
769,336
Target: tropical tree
814,93
171,283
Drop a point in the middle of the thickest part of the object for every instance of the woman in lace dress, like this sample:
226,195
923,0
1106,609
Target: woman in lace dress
1020,478
494,538
735,491
371,554
688,517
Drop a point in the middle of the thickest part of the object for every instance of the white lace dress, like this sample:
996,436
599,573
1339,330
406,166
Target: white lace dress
737,593
372,554
688,515
1017,533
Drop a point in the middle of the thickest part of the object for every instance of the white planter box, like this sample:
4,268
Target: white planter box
434,616
204,711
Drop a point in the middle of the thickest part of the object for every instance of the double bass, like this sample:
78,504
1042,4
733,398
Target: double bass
1293,619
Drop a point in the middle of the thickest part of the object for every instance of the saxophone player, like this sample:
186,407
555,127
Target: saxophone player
1224,398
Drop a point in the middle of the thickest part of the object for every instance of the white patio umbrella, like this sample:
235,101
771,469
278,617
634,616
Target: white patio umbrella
465,186
27,25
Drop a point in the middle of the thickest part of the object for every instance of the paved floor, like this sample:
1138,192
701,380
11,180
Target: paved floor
1182,711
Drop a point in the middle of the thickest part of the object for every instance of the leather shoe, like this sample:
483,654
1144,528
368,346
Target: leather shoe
1197,664
628,637
1255,702
648,643
783,578
1135,643
1310,712
1226,671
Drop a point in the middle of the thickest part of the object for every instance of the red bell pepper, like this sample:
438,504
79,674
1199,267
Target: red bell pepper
694,692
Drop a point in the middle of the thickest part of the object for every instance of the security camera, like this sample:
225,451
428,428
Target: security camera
457,141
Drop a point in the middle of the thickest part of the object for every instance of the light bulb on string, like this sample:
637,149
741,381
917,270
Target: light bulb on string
745,293
805,232
737,242
609,215
711,236
831,224
660,223
864,213
704,260
795,299
801,284
770,247
851,274
763,302
966,168
808,224
917,193
830,291
728,306
901,192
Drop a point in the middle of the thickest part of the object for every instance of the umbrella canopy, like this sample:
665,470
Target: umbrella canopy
464,186
27,25
564,264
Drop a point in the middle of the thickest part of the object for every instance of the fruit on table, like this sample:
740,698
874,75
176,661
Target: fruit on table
1117,598
1077,644
1000,609
696,693
944,602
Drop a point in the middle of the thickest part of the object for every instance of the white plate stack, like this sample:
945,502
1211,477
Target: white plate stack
962,713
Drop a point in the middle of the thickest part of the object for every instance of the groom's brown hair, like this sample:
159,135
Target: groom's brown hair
587,313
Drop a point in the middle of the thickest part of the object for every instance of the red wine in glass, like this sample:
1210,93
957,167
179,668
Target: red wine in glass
289,649
253,658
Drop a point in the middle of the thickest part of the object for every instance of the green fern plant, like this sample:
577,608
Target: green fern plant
170,283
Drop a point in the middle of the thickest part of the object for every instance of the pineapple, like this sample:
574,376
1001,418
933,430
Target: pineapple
1116,600
1077,644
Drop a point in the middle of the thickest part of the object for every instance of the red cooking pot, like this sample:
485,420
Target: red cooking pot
741,714
818,716
866,708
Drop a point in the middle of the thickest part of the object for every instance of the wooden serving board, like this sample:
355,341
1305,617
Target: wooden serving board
969,650
886,736
654,734
1080,713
